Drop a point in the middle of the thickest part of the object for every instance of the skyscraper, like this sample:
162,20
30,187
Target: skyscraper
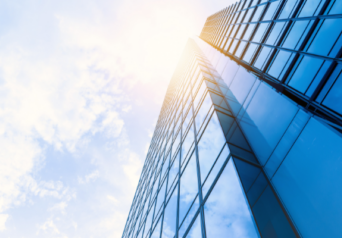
248,141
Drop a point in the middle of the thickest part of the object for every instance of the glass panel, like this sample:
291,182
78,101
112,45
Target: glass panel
188,187
170,216
271,11
148,222
334,98
156,232
199,95
249,31
262,57
288,9
248,15
325,38
174,170
240,49
309,181
250,52
229,72
227,213
187,120
280,64
187,143
305,73
161,196
242,28
335,7
275,33
260,32
311,8
203,111
296,34
213,173
277,111
241,85
185,224
210,146
195,231
258,12
232,48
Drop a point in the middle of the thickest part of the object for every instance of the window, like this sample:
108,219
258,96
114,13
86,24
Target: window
263,57
271,10
250,52
240,49
170,216
202,112
296,35
326,39
260,32
280,64
288,9
310,8
258,12
210,145
227,212
334,98
249,31
275,33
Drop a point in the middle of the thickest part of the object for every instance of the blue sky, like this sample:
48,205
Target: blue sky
81,86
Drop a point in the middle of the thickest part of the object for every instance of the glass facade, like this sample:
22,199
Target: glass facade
248,141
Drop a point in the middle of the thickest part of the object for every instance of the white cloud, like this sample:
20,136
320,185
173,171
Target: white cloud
3,219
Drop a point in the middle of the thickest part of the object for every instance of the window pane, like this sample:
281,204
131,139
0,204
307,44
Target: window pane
280,64
210,145
242,28
296,34
249,31
309,181
174,170
202,112
277,111
240,49
232,48
334,98
325,38
275,33
156,232
271,11
258,12
199,95
188,187
310,8
288,9
262,57
260,32
196,230
305,73
170,216
335,7
185,223
227,213
187,143
250,52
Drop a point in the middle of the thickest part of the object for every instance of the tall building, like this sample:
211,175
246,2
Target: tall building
248,141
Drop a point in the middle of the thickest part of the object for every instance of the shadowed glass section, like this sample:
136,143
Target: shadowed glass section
227,213
309,181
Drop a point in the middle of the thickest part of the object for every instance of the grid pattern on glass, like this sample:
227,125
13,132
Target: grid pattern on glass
180,188
296,44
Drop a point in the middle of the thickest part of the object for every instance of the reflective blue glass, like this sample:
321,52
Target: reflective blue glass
227,213
288,9
156,232
280,64
229,72
250,52
286,142
242,84
296,34
176,144
274,35
170,216
271,10
203,112
174,170
334,98
277,111
160,198
309,179
214,171
260,32
258,12
263,57
249,31
188,187
324,40
187,144
187,220
335,7
195,231
240,48
305,72
310,8
199,95
210,145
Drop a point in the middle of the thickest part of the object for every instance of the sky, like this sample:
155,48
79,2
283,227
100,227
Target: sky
81,86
